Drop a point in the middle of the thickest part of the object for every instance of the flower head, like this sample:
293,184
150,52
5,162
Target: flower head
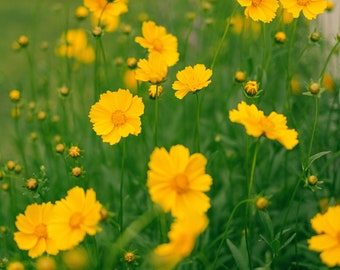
104,8
260,10
182,236
33,232
251,88
116,115
14,95
15,266
327,225
152,70
191,79
157,40
177,180
309,8
75,216
74,44
274,126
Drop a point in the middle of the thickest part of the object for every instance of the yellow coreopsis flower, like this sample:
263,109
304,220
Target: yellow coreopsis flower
177,181
191,79
182,238
75,216
309,8
104,8
260,10
274,126
327,225
116,115
152,70
74,44
157,40
33,232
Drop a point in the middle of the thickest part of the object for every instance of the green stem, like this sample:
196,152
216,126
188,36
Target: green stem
250,188
197,130
104,60
218,49
225,233
121,195
155,127
328,59
96,69
316,111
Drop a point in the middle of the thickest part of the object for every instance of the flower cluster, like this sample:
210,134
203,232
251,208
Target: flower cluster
177,182
265,10
73,44
51,227
273,126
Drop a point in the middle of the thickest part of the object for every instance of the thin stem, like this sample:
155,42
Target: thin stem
250,188
225,233
316,112
121,195
155,127
328,59
104,59
218,49
197,131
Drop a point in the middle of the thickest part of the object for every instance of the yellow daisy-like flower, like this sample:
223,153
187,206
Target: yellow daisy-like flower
177,181
182,238
15,266
75,216
157,40
33,232
309,8
260,10
116,115
74,44
191,79
152,70
327,225
274,126
104,8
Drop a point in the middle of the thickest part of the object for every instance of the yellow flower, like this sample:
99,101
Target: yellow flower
153,70
15,266
191,79
109,23
260,10
46,263
280,37
75,216
105,8
177,181
182,236
153,89
33,232
116,115
14,95
74,44
327,225
156,39
251,88
274,126
309,8
328,82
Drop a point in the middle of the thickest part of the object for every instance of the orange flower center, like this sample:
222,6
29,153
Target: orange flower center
256,3
303,2
40,231
181,183
158,45
76,220
118,118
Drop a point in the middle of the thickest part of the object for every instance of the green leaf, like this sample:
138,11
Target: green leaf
239,255
290,239
315,157
267,222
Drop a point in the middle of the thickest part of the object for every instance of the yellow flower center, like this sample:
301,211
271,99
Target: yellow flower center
40,231
118,118
181,182
76,220
158,45
256,3
303,2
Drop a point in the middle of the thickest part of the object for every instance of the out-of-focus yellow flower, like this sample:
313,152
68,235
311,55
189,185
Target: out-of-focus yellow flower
191,79
240,76
14,95
130,79
15,266
104,8
74,216
74,45
33,234
153,89
116,115
310,9
328,82
46,263
296,86
182,237
153,70
81,12
330,5
157,40
108,23
273,126
76,259
327,241
177,181
280,37
260,10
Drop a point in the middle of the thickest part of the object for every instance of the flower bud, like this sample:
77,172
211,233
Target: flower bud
64,91
312,180
46,263
251,88
77,171
261,203
81,13
129,257
14,95
315,37
97,31
280,37
131,62
240,76
314,88
74,151
10,165
31,183
59,148
23,41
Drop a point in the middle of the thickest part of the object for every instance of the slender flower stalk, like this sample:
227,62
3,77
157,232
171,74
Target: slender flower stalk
121,192
197,130
155,127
